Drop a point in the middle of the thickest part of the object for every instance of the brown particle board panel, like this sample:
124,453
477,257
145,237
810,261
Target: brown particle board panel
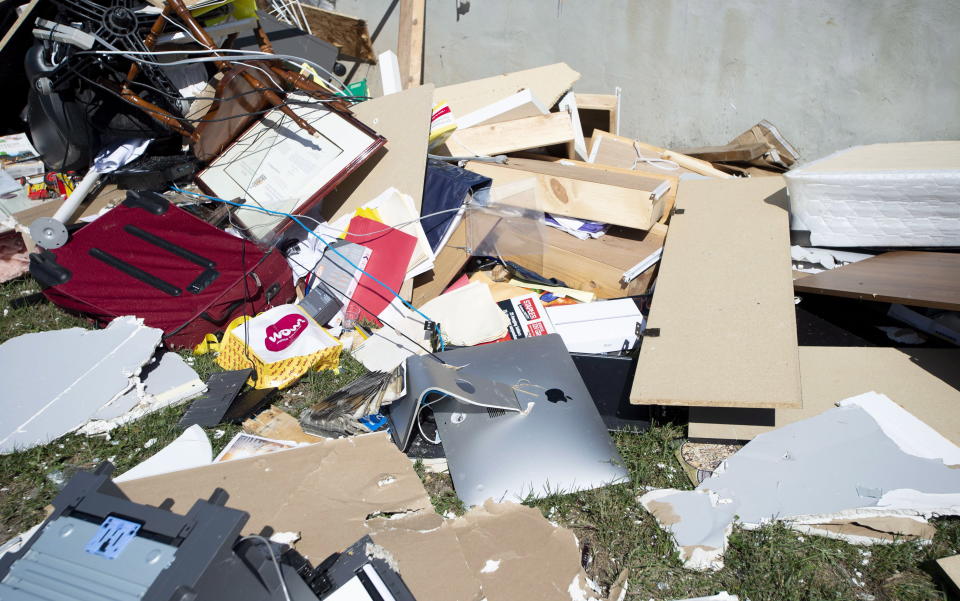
404,120
920,279
573,191
723,305
925,382
548,84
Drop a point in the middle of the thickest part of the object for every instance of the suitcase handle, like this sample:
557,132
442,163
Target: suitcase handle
222,320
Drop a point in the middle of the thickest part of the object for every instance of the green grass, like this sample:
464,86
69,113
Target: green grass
773,563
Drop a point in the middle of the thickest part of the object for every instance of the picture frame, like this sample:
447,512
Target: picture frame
277,165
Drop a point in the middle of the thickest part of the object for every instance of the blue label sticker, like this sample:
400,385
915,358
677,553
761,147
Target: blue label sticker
112,537
374,421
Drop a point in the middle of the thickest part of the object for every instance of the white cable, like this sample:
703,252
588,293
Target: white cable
276,562
420,424
242,55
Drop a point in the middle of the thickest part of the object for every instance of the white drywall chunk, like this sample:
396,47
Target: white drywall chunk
55,381
166,380
864,472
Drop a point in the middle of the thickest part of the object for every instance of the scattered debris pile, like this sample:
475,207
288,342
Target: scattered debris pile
518,278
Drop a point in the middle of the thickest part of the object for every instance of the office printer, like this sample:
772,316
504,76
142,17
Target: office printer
97,544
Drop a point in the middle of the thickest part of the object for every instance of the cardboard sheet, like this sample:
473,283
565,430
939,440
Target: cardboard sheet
925,382
325,491
404,120
724,304
337,491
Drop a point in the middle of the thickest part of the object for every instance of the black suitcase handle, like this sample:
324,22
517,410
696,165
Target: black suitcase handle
206,277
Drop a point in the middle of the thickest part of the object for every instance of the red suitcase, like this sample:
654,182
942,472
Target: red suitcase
154,260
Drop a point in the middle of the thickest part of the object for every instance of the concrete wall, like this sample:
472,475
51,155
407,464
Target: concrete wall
698,72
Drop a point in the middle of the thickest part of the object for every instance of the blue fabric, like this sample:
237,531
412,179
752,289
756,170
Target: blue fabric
445,187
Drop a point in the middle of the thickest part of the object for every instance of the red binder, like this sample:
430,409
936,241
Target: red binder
389,259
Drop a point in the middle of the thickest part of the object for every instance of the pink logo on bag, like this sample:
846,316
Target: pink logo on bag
282,334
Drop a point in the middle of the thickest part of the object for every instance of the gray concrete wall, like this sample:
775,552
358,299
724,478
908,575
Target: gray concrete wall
698,72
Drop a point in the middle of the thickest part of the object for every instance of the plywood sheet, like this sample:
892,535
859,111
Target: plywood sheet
548,84
925,382
922,279
404,120
348,34
724,302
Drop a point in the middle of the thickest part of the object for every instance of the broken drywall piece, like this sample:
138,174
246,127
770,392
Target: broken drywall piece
164,381
534,558
853,465
81,371
190,449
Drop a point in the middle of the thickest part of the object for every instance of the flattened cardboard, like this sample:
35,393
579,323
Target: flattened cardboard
520,555
547,83
335,491
404,120
279,425
325,491
724,310
925,382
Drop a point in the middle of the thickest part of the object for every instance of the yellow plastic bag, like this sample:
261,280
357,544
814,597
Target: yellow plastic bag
281,345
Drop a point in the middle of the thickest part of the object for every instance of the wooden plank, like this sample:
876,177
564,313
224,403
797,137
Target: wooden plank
728,152
595,265
920,279
509,136
618,151
925,382
548,84
348,34
571,191
669,198
404,120
410,42
449,262
724,302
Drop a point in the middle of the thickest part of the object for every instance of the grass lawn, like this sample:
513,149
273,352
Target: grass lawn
772,563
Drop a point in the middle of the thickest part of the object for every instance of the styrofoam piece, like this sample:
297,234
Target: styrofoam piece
54,381
866,459
904,194
190,449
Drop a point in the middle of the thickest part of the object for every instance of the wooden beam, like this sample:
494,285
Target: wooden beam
571,191
410,42
509,136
